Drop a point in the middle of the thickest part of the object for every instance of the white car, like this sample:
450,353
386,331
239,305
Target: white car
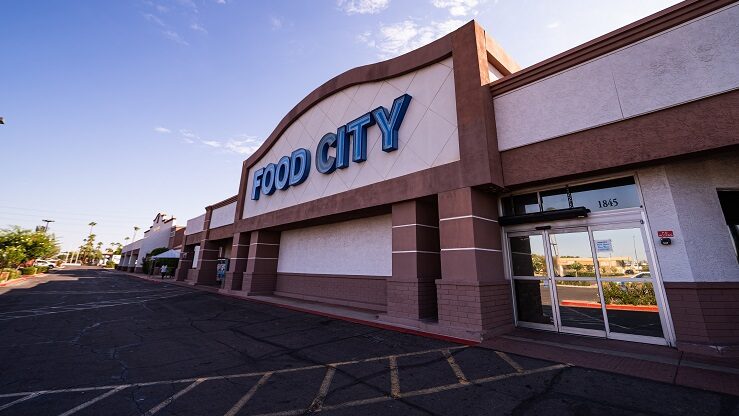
45,263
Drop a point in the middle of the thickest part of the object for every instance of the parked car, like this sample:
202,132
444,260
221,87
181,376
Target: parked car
45,263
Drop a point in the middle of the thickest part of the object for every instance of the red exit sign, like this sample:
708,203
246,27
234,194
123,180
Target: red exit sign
666,233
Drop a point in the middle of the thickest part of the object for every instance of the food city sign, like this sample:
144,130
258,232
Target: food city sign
350,141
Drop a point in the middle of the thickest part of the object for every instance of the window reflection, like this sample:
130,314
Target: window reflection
621,254
604,196
527,256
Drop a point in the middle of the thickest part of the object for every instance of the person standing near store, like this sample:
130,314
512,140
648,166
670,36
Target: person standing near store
163,270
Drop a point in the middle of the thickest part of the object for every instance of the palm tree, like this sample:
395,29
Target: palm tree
92,224
135,230
126,239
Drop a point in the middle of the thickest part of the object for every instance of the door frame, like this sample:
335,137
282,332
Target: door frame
635,216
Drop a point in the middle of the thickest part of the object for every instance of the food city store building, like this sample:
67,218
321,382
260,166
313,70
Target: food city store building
446,190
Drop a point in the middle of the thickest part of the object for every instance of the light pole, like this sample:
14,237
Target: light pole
2,121
46,229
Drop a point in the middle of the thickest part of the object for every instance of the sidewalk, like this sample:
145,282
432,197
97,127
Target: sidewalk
653,362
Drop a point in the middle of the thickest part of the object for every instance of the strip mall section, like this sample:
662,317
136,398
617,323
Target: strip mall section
449,191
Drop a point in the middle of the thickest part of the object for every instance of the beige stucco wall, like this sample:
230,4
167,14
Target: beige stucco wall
195,225
223,215
428,136
682,197
697,59
356,247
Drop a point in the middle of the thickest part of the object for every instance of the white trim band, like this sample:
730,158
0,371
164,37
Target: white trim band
470,248
416,225
415,251
469,216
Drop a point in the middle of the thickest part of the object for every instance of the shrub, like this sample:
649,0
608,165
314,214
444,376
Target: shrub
629,293
11,273
110,264
42,269
28,271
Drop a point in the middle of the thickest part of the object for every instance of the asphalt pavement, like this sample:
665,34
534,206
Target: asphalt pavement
91,342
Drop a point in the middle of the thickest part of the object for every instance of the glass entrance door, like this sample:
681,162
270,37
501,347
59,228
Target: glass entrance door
592,280
576,285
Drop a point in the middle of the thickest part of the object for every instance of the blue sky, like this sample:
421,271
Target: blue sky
115,111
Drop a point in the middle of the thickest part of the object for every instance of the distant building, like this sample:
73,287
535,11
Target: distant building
162,233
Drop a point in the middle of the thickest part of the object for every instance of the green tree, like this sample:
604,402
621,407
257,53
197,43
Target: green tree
19,245
576,267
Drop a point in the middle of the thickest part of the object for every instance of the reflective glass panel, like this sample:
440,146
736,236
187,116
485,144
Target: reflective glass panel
621,254
607,195
632,308
579,304
571,254
527,256
554,199
521,204
533,301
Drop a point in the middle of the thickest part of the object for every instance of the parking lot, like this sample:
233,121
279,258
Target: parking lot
92,342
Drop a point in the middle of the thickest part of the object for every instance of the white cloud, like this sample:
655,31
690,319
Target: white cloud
221,1
189,135
363,6
175,37
188,141
211,143
457,7
553,25
276,23
399,38
198,28
154,19
162,130
243,145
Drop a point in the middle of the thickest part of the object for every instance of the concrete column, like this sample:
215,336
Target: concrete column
411,291
185,263
473,293
205,273
238,261
261,267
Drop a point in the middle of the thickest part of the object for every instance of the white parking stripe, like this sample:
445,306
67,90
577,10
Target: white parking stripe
249,394
22,399
173,397
49,310
93,401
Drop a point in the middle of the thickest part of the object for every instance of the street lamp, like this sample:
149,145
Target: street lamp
46,229
2,121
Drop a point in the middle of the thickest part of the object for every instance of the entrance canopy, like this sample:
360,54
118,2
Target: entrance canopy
171,254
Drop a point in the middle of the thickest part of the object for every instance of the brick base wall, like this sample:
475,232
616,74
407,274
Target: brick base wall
367,292
705,316
411,299
483,308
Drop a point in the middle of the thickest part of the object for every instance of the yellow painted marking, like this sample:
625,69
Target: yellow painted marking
455,367
323,391
249,394
507,358
394,377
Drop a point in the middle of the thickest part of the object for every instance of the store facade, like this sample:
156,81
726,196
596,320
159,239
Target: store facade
448,191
